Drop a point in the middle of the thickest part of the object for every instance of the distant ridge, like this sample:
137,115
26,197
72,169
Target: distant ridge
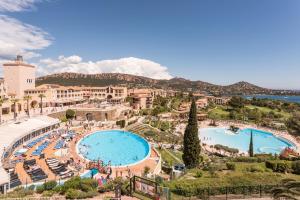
105,79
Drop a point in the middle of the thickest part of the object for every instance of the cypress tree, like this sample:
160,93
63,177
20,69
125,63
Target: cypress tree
251,153
191,142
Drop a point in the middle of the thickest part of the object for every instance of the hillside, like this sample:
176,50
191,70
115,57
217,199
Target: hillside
105,79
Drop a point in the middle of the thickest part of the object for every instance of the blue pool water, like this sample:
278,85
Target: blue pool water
121,148
264,142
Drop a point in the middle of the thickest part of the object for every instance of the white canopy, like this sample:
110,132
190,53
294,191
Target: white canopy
10,133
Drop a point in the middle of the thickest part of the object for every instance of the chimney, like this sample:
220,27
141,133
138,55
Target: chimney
19,58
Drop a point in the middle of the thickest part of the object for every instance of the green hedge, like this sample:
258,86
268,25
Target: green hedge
279,165
296,167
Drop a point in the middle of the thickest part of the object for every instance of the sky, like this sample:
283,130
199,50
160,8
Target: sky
217,41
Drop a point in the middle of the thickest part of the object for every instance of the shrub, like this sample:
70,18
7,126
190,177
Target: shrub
48,193
89,194
255,168
146,170
32,187
278,165
296,167
58,189
40,189
246,159
70,114
87,185
198,174
72,194
49,185
230,166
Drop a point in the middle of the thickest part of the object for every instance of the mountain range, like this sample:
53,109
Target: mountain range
105,79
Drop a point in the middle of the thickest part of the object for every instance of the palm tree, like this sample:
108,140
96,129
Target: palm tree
2,100
41,96
14,101
27,98
290,189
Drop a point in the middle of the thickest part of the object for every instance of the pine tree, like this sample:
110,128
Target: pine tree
191,143
251,153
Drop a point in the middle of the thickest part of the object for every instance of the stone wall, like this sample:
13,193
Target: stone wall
98,115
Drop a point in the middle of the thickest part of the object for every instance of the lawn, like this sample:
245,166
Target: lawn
219,112
286,115
168,158
242,175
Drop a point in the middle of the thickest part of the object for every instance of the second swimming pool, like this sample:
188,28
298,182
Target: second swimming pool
263,142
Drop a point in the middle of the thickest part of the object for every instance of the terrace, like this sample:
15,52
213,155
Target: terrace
19,133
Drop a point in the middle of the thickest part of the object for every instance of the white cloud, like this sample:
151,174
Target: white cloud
16,5
130,65
19,38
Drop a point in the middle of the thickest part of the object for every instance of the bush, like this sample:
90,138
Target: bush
278,165
296,167
198,174
81,184
255,168
70,114
40,189
72,194
231,166
246,159
32,187
58,189
49,185
48,193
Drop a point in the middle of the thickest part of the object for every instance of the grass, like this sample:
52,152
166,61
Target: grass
219,112
285,115
241,176
169,159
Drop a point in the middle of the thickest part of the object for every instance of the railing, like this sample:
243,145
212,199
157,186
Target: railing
229,192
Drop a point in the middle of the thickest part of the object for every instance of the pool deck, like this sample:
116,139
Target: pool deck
153,161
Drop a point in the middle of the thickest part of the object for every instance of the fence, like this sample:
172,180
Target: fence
224,193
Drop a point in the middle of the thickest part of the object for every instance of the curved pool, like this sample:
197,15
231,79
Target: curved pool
120,148
263,142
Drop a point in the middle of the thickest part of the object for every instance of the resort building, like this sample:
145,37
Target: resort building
141,98
55,95
202,103
109,94
218,100
18,77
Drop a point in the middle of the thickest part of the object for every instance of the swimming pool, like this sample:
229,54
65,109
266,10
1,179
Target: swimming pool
263,142
120,148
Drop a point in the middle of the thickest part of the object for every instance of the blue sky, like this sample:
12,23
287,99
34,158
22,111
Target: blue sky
218,41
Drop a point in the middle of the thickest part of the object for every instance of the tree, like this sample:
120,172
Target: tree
14,102
27,98
191,143
290,189
293,124
2,100
237,102
70,114
41,96
251,153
